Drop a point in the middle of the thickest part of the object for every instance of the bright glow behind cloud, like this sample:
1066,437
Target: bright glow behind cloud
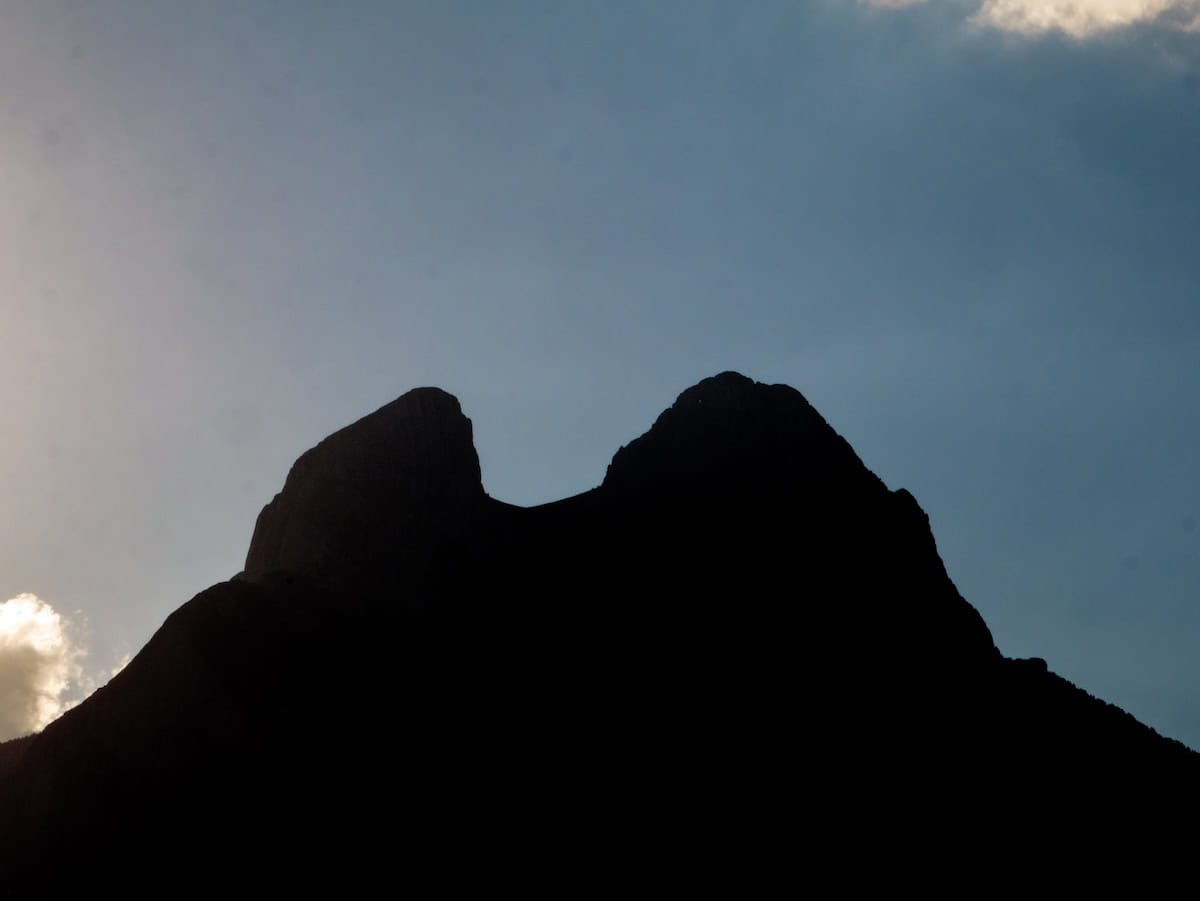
1078,18
38,665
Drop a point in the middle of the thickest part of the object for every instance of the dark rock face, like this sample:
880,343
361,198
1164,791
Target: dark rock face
741,622
354,503
729,434
737,469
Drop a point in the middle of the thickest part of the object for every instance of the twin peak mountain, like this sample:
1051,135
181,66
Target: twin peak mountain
741,618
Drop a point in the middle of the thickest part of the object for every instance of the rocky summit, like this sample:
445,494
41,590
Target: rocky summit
741,626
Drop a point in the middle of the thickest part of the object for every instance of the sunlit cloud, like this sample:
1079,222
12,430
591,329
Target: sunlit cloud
1078,18
39,665
42,675
1084,18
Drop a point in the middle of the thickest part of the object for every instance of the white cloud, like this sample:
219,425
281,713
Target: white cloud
39,664
1083,18
1077,18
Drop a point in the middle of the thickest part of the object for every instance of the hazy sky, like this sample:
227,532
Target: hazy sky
965,230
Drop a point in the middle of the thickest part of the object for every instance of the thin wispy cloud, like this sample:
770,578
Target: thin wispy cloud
1080,19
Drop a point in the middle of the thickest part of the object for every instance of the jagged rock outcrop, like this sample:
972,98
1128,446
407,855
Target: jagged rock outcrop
740,622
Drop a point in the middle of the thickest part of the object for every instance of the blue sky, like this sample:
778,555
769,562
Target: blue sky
964,230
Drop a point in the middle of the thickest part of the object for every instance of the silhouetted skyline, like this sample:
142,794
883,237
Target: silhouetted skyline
231,227
741,618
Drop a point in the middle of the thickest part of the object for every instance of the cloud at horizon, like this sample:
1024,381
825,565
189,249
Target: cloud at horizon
236,227
42,672
39,665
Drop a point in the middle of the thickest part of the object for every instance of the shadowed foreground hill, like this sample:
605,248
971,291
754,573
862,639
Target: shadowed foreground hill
740,625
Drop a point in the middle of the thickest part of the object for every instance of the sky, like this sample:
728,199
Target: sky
965,230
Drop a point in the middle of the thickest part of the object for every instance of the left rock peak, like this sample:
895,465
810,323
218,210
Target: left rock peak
369,490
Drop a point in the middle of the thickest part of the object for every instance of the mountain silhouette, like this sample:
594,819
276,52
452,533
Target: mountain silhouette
740,625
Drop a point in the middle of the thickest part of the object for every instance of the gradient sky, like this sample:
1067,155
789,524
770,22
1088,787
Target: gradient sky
965,230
